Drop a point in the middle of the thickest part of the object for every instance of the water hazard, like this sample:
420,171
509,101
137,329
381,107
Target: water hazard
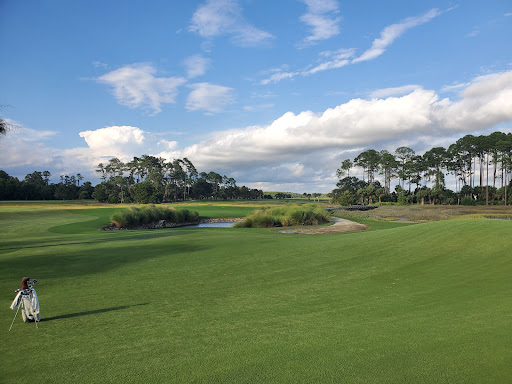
228,224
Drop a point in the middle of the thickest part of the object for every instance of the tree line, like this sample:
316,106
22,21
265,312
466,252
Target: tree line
480,167
37,186
147,179
150,179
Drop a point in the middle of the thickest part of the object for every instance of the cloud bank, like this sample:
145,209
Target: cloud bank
302,149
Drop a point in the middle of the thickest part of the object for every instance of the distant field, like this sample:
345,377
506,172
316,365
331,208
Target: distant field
423,213
421,303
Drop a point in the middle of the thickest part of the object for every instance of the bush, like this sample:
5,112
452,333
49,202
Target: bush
133,216
466,200
291,215
113,199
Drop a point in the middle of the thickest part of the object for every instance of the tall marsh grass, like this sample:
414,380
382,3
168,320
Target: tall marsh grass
135,216
423,213
285,216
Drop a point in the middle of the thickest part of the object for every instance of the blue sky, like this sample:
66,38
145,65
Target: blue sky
273,93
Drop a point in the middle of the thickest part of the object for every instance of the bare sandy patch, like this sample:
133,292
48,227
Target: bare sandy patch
339,226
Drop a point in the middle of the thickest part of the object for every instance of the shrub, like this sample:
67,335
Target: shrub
133,216
113,199
290,215
118,219
466,200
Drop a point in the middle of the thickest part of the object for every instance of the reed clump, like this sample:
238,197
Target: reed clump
285,216
139,216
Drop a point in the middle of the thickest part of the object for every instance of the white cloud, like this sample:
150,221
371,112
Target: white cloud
122,142
359,123
274,78
296,170
99,64
196,65
343,57
333,60
394,91
392,32
137,86
258,107
224,17
475,32
455,87
319,18
508,14
23,146
485,103
297,152
329,60
209,97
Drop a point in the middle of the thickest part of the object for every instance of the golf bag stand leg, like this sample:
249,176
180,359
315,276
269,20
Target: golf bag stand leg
15,317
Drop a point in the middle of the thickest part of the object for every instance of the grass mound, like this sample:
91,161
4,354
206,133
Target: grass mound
285,216
134,216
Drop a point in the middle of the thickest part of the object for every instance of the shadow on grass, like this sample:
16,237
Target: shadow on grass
93,312
102,237
96,256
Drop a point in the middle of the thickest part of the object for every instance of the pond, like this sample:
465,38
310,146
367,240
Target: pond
228,224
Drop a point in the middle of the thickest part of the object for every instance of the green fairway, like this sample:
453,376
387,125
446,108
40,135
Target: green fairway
422,303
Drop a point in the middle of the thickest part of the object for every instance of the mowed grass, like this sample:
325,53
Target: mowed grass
427,303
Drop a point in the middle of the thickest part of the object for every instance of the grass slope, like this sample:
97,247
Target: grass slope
421,303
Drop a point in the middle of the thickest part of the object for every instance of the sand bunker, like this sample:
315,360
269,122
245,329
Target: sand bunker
339,226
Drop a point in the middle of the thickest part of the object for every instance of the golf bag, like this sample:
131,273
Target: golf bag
27,298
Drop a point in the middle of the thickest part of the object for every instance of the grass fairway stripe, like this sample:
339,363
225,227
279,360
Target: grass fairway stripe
423,303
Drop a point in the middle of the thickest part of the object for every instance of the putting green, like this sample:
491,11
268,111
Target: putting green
423,303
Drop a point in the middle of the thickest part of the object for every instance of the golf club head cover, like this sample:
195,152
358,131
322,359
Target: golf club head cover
24,283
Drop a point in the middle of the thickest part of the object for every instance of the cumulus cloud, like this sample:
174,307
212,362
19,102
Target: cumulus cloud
122,142
296,150
392,32
224,17
137,86
208,97
196,65
319,17
24,146
360,123
484,103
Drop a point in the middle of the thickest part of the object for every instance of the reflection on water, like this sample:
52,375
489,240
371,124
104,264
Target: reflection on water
211,225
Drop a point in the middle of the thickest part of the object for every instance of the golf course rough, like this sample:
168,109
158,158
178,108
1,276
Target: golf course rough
426,303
